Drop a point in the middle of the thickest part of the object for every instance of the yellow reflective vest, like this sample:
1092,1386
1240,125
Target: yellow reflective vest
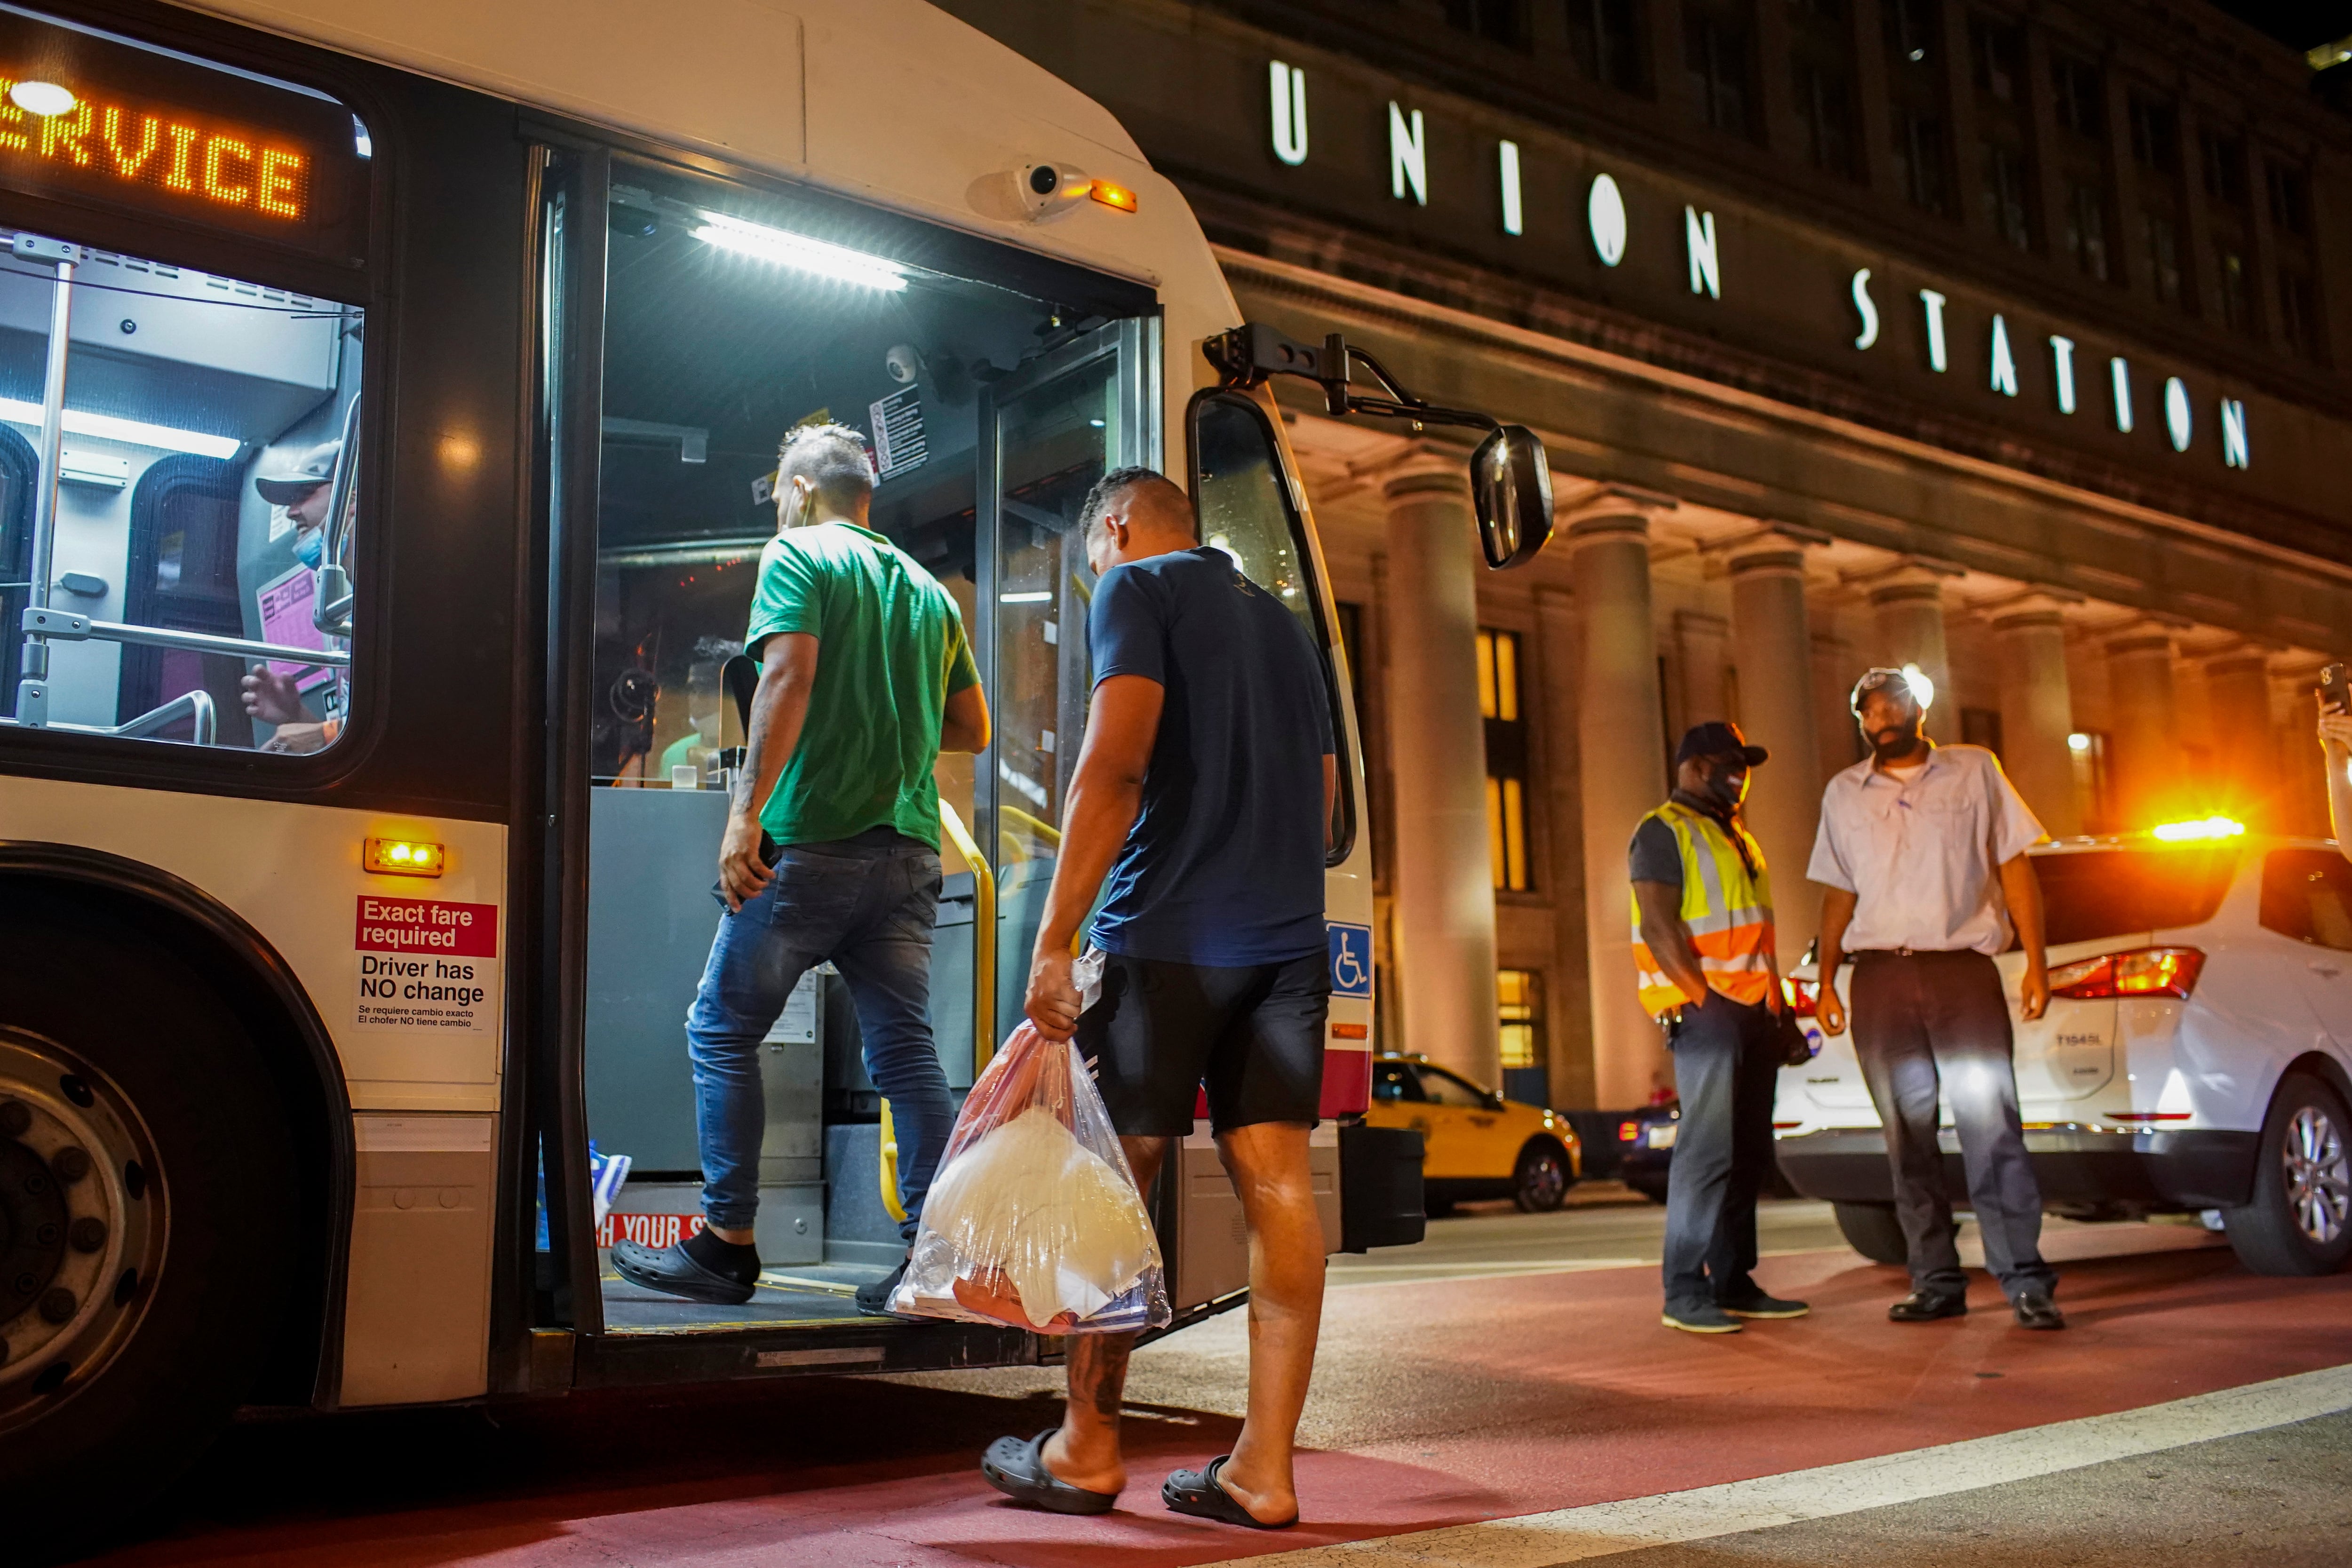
1728,911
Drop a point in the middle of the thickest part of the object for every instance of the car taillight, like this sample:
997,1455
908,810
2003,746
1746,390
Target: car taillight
2142,971
1802,994
1628,1130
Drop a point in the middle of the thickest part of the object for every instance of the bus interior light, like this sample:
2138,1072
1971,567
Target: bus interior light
131,432
2204,828
404,858
801,253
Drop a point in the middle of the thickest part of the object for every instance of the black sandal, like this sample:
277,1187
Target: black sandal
1196,1492
1017,1468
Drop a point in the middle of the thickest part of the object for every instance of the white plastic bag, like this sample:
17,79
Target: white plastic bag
1034,1219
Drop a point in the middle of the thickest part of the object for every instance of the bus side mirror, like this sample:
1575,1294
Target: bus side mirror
1510,484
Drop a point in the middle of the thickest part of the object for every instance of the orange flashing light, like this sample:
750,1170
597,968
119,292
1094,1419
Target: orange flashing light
1352,1031
1113,195
2202,829
404,858
224,167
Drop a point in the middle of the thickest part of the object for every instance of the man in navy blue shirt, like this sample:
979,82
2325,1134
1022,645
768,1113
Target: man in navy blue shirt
1203,793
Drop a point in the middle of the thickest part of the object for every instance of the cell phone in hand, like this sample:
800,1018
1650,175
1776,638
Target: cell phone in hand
2335,696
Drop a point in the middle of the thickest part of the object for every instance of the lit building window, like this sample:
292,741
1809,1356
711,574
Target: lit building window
1519,1014
1506,759
1518,995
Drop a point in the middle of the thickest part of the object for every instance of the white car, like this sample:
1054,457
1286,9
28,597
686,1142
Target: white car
2197,1054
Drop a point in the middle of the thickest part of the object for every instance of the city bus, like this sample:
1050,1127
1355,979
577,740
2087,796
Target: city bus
389,405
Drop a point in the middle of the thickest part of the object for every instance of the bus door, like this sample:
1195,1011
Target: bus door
699,323
1054,429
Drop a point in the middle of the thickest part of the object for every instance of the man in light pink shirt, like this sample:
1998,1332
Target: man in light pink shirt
1921,854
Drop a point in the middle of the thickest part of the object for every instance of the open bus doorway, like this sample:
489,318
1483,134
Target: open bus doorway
990,410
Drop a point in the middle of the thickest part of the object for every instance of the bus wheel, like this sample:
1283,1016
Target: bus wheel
145,1215
1539,1184
2300,1221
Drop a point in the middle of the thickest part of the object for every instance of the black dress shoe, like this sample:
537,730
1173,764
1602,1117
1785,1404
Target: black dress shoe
1926,1306
2035,1310
675,1272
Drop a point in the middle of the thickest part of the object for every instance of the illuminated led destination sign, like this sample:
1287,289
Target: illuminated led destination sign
97,121
155,150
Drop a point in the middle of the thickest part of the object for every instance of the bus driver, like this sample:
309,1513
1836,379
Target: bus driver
305,490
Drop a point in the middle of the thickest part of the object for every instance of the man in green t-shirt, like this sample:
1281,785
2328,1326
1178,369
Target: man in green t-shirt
832,847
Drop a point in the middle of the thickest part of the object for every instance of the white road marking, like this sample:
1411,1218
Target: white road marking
1604,1530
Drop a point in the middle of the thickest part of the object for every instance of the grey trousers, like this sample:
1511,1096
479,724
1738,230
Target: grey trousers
1925,1019
1725,1064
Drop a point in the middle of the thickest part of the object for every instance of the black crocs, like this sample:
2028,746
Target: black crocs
1196,1492
674,1272
1016,1466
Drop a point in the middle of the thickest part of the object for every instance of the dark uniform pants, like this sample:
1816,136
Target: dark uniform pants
1726,1063
1929,1020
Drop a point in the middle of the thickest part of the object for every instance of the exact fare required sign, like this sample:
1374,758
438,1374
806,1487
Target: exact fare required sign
424,963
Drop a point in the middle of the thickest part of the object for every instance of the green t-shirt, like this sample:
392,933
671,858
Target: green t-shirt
890,651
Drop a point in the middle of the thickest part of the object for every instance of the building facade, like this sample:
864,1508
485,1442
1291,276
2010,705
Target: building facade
2007,340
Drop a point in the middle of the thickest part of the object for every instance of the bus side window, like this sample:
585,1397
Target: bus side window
192,515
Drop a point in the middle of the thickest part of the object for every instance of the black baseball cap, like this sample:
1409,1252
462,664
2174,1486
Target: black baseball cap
1717,739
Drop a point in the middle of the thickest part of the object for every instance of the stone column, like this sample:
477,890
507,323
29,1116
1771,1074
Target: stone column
1621,746
2303,771
2037,710
2245,742
1836,667
1699,643
2146,763
1569,1003
1777,711
1909,606
1444,924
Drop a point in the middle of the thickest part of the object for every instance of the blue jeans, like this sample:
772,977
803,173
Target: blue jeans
868,904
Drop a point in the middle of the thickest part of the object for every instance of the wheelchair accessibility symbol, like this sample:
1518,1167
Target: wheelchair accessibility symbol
1351,959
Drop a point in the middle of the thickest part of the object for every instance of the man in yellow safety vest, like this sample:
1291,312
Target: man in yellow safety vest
1703,950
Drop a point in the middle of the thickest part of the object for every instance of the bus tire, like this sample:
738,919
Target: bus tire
2297,1223
1872,1230
112,1043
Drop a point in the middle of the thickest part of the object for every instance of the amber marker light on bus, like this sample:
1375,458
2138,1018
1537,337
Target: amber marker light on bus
404,858
1113,195
2204,828
1352,1031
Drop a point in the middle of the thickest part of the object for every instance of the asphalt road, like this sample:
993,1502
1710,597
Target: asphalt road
2275,1499
1509,1369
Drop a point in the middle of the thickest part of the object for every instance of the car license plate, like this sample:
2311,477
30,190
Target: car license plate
1663,1137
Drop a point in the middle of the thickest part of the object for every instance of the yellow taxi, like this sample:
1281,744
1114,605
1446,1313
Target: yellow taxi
1479,1145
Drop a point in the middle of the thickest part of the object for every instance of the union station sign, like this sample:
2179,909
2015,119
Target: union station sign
2076,384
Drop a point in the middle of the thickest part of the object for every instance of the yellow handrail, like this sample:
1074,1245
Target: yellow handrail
1044,832
984,937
